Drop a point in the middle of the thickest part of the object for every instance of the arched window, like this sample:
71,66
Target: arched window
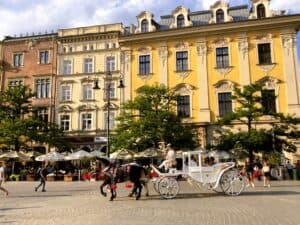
180,21
220,16
144,26
261,11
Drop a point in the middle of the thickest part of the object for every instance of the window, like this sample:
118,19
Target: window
261,12
88,65
66,93
180,21
87,92
43,115
225,103
144,64
144,26
91,47
107,45
67,67
65,122
44,57
219,16
110,86
15,83
18,60
70,49
84,48
182,61
110,63
86,120
42,88
183,106
222,57
264,53
268,101
64,50
111,120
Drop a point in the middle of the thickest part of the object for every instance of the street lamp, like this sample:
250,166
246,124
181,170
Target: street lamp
107,91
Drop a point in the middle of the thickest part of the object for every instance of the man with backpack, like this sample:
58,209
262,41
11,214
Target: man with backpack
42,174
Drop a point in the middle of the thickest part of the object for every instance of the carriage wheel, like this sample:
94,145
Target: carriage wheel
168,187
232,182
155,184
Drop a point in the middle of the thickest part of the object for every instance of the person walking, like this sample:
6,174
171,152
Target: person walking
42,174
267,173
249,173
289,168
2,178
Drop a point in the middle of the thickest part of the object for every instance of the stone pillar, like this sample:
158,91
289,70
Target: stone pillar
204,115
163,64
243,59
126,67
288,41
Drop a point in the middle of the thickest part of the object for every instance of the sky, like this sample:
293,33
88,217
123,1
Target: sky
28,16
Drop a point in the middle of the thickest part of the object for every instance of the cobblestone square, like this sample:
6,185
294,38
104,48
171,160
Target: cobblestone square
79,203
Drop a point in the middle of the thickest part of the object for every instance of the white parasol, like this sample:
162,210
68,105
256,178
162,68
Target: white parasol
51,157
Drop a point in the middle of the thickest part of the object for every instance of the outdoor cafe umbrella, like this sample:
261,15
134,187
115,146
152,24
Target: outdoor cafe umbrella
122,154
51,157
219,154
150,153
97,153
15,156
79,155
31,154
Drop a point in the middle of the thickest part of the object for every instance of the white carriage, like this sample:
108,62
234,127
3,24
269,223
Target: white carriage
220,177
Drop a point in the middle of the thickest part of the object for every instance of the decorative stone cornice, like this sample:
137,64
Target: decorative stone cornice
65,109
225,85
266,67
224,70
183,74
279,22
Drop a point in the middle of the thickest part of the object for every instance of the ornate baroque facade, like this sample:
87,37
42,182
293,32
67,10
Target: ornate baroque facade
86,55
203,55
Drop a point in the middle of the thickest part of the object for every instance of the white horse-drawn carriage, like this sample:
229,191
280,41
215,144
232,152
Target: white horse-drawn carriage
220,177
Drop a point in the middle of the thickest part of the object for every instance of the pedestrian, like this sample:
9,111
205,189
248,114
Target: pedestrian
267,173
42,174
170,160
289,168
2,178
298,169
249,173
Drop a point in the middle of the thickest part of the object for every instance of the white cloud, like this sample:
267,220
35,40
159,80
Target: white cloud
19,16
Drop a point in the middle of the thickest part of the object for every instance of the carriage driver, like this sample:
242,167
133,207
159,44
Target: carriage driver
170,160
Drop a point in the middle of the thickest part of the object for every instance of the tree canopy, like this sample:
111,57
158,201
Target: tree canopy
19,123
150,119
252,111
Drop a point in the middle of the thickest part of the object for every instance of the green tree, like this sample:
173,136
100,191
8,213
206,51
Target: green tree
250,112
19,123
150,119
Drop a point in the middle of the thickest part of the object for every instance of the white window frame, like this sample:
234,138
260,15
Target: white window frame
87,91
69,121
67,69
45,88
20,61
89,126
112,120
110,64
67,94
48,59
88,67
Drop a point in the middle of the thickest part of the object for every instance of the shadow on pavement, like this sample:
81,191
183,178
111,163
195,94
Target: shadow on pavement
270,192
8,209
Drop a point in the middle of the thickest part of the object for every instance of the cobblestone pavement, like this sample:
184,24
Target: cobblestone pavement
76,203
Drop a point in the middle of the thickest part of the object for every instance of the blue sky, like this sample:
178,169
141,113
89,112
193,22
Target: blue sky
28,16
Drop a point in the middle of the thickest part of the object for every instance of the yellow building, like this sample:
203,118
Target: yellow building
204,54
87,55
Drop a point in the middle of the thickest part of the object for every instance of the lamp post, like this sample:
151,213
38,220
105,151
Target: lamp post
107,91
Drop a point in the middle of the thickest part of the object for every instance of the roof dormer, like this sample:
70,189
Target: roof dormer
145,22
220,12
181,17
260,9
